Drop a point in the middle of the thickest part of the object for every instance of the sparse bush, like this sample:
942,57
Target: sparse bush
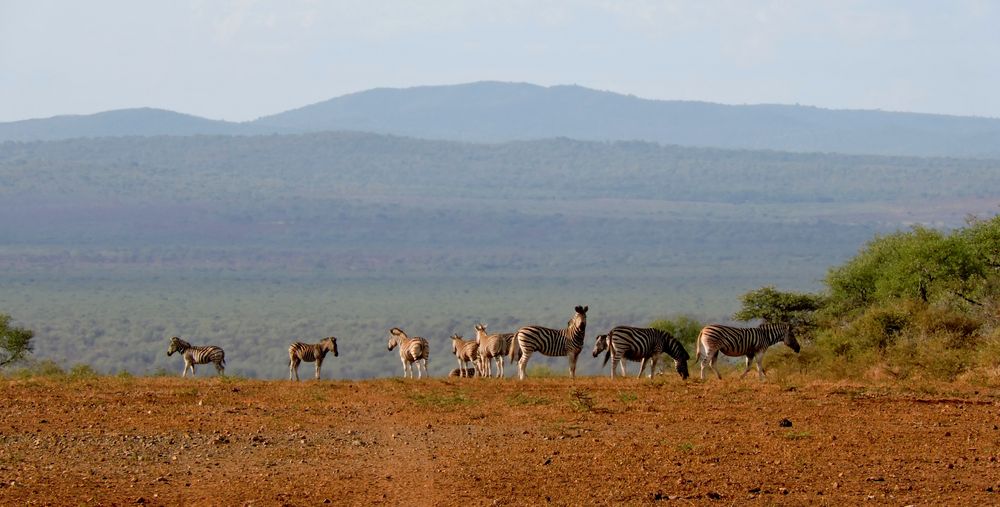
581,400
82,371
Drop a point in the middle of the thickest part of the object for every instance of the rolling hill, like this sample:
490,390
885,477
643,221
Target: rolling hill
498,112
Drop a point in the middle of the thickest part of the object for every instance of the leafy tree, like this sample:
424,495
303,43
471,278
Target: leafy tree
683,327
922,264
15,342
774,306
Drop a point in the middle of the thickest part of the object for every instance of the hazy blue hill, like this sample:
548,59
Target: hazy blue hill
496,112
122,122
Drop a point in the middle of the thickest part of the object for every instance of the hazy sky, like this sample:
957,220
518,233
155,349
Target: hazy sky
241,59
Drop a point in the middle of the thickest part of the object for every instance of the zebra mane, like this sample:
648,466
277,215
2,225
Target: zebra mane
179,343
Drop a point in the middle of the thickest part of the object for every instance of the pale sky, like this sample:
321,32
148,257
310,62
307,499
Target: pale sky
241,59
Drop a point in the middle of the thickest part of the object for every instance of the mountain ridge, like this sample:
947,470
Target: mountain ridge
492,111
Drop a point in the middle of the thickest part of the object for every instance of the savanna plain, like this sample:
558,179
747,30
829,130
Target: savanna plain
123,440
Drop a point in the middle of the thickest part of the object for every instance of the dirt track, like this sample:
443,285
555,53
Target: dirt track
482,442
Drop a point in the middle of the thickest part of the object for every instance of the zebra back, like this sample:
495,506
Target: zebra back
552,342
742,341
464,349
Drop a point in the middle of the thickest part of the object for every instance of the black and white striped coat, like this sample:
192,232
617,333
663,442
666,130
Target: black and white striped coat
197,355
641,344
741,341
550,342
411,350
492,347
465,351
310,352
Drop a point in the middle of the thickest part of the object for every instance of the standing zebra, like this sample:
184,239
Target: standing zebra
641,344
493,346
741,341
551,342
411,350
466,351
197,355
310,352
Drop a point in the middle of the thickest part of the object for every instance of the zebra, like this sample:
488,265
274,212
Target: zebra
411,350
741,341
198,355
466,351
309,352
641,344
551,342
493,346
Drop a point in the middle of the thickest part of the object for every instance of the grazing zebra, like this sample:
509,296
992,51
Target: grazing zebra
309,352
411,350
493,346
641,344
197,355
465,351
551,342
741,341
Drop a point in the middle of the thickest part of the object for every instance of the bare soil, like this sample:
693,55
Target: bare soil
213,441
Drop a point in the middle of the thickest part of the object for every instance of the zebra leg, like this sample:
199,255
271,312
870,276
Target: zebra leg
711,362
221,370
406,369
623,367
185,372
523,363
652,366
749,358
293,370
319,364
760,366
573,356
642,366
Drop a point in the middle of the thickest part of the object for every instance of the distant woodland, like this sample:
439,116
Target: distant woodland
112,245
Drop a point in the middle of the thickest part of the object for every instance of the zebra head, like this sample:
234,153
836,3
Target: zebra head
480,332
330,344
681,365
177,345
601,344
456,342
789,339
396,336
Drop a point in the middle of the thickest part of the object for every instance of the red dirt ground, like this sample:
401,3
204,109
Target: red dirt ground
494,442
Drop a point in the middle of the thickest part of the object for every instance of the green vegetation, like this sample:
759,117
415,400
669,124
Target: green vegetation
15,342
581,400
918,304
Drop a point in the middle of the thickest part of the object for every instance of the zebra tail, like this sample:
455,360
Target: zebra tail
513,350
697,347
607,355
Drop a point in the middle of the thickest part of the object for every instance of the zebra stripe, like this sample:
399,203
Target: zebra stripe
309,352
551,342
465,351
411,350
641,344
492,347
197,355
741,341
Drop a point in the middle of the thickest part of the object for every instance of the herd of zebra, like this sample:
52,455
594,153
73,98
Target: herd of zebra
620,343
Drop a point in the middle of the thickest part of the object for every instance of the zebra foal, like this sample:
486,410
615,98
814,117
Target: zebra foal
741,341
197,355
641,344
492,347
309,352
411,350
551,342
466,351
